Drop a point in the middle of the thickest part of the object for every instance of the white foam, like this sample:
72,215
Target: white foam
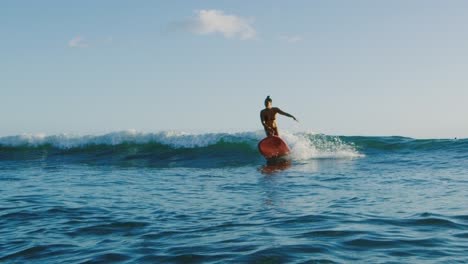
170,138
309,145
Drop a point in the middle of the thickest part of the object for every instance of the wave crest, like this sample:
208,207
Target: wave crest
169,138
163,149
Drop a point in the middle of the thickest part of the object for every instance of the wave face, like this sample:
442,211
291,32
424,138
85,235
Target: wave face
396,144
175,149
166,149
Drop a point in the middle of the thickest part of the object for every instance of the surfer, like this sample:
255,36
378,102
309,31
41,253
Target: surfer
268,117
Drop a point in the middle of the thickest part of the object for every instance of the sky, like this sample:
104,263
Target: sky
364,68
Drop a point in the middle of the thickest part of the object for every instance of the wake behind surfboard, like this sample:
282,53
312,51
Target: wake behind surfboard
273,148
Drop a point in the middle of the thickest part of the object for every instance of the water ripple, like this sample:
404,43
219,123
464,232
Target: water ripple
359,211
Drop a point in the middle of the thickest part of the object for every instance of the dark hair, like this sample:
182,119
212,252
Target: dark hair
268,99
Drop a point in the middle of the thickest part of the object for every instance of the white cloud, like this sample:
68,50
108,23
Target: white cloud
215,21
78,42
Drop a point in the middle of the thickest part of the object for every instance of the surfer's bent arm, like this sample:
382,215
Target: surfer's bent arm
266,125
262,119
285,114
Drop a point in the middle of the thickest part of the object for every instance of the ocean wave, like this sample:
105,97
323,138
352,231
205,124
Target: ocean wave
167,148
169,138
303,145
396,143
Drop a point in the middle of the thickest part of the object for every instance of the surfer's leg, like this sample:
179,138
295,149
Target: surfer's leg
275,129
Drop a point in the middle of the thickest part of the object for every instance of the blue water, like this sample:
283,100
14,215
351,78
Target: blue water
130,197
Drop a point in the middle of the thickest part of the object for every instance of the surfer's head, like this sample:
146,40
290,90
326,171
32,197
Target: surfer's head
268,101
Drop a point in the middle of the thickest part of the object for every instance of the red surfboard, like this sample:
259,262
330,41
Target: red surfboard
273,147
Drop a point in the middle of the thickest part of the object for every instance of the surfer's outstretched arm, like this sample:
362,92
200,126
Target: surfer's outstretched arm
285,114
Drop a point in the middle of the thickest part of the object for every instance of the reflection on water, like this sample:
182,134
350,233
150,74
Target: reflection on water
379,208
331,165
274,166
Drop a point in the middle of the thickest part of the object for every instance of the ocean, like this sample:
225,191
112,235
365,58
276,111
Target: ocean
171,197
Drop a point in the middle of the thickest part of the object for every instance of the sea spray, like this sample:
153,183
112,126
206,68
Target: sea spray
306,146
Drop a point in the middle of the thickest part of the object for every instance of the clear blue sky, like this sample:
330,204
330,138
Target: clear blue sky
341,67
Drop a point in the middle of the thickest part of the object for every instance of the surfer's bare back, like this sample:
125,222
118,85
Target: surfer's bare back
268,117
